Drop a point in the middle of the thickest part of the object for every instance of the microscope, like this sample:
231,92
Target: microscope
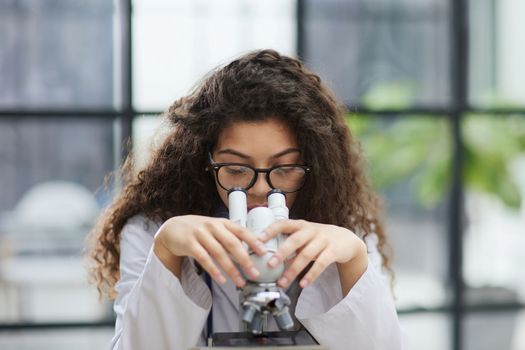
261,298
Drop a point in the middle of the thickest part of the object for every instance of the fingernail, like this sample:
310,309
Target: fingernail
273,262
254,272
261,247
240,281
263,236
304,283
221,279
283,281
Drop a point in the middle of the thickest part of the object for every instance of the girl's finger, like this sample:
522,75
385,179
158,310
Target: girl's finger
234,247
290,246
217,251
310,252
282,226
320,264
201,255
246,236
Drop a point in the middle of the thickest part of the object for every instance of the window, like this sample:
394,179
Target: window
439,82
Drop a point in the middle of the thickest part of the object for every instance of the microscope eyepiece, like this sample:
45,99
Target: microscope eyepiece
275,190
233,189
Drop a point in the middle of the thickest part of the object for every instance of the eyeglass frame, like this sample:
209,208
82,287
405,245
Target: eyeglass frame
217,166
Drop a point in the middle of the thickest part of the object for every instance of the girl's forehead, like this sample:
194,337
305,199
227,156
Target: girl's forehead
268,132
260,140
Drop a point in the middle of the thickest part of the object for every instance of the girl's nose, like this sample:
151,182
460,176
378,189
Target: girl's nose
261,186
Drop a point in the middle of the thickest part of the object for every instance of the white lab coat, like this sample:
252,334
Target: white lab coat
157,311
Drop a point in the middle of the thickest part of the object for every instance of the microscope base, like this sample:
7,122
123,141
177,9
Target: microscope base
291,347
294,340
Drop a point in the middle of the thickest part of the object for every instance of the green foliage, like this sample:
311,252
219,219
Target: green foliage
491,144
414,149
396,95
418,149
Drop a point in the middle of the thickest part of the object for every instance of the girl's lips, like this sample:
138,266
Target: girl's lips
256,205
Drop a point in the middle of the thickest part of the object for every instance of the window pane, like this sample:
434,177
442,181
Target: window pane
382,54
495,192
56,54
51,177
177,42
81,339
148,132
409,163
497,51
503,330
426,331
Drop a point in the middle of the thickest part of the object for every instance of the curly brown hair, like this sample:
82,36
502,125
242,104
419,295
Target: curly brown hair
254,87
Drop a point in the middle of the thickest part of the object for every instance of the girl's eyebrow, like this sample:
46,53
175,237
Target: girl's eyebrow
242,155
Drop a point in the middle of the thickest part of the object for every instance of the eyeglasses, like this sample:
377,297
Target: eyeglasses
285,177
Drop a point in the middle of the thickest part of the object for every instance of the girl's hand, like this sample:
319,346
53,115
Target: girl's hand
209,241
321,243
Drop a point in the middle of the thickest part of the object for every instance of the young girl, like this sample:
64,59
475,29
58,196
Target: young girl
260,112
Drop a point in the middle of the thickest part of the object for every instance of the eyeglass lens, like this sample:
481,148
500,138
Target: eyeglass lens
286,178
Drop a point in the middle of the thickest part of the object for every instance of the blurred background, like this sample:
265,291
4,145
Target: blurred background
435,93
